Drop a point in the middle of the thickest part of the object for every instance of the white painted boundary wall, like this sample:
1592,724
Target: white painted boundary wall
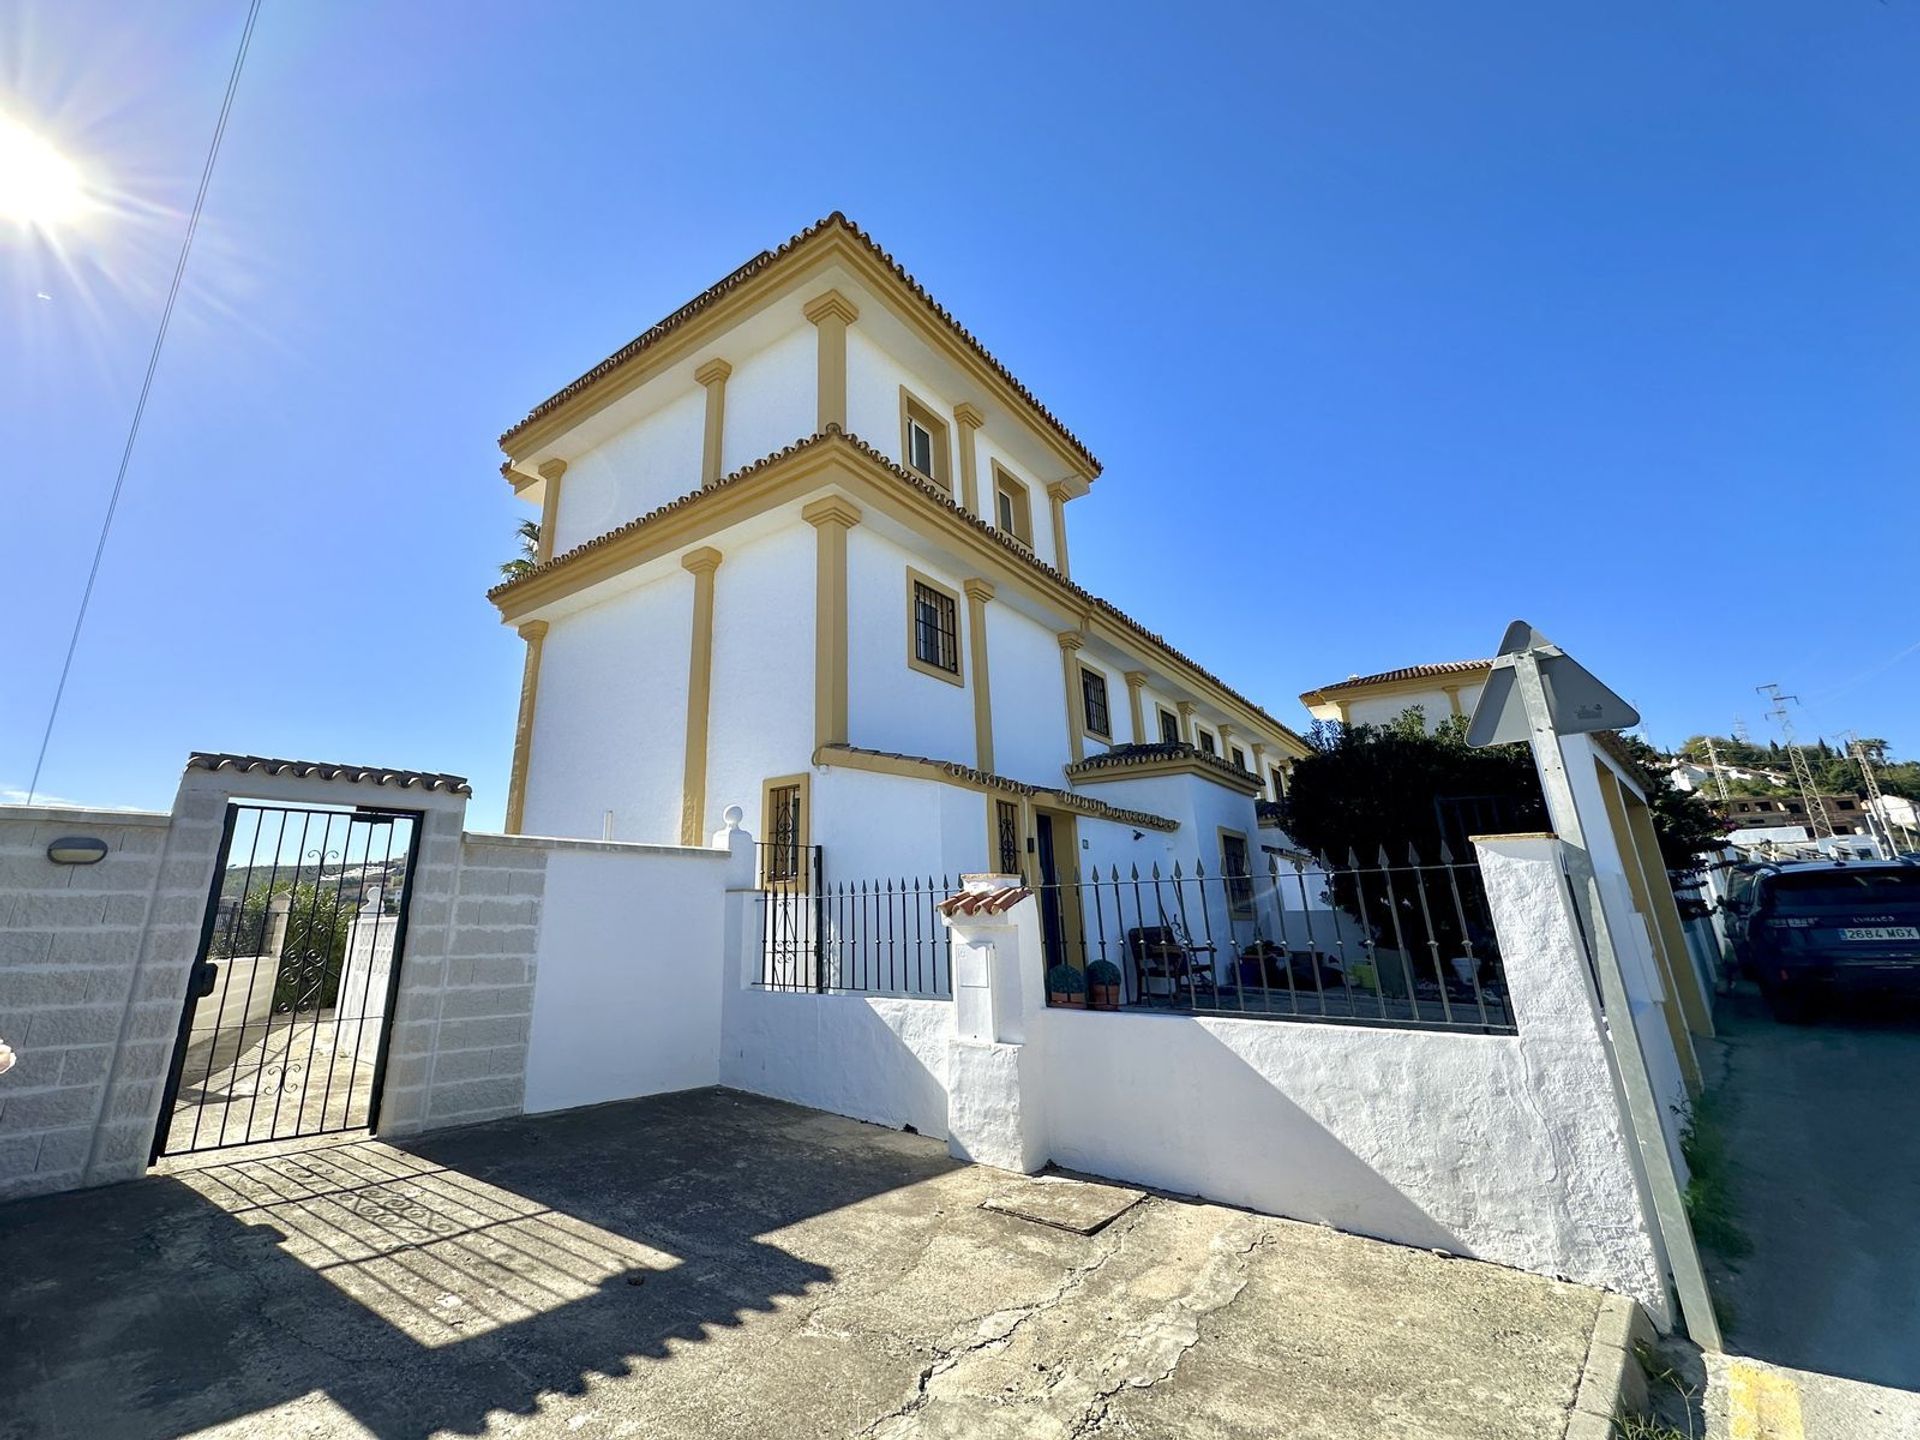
1505,1148
878,1058
626,999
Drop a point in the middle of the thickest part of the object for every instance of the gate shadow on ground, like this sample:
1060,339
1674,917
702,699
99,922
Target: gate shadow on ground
421,1287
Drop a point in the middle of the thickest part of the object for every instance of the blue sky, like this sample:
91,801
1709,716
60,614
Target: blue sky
1390,322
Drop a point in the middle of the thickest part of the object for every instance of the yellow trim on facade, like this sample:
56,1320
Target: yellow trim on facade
831,516
960,608
1612,797
534,632
803,832
1070,643
1260,768
1666,913
1107,690
979,592
1188,729
967,421
700,564
840,460
1058,494
551,472
1136,682
1193,762
713,376
1021,494
915,410
830,249
965,777
830,314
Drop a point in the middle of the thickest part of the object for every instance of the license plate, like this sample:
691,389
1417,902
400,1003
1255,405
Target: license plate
1881,932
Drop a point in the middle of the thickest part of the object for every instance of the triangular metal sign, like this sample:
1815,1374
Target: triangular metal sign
1576,700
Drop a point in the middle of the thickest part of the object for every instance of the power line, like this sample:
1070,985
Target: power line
146,388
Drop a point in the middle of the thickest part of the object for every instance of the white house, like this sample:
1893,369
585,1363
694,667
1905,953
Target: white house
1441,691
804,548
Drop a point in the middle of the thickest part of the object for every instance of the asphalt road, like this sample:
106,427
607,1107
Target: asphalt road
1823,1126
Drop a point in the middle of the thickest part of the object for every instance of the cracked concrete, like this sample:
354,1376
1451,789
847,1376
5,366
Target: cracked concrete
712,1264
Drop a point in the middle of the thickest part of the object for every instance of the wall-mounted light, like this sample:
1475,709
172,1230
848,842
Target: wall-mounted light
77,850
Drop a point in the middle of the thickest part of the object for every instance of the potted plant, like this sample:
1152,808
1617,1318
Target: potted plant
1066,986
1103,985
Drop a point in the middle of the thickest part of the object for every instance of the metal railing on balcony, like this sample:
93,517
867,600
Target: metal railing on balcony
867,937
1405,943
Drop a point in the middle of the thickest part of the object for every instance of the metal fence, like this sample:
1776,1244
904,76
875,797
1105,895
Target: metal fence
866,937
1407,944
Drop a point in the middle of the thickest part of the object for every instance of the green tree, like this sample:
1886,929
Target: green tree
527,532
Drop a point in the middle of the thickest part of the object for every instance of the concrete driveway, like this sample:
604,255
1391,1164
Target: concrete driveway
1823,1124
713,1264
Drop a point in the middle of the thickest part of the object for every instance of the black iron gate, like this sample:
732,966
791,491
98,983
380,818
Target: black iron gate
284,1030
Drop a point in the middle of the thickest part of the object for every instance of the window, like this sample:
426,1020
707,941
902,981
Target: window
1208,744
933,628
1093,702
1012,507
1006,818
1169,727
1233,865
923,440
784,853
1279,782
1239,758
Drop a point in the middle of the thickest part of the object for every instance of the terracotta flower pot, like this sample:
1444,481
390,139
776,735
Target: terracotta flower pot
1074,1002
1103,997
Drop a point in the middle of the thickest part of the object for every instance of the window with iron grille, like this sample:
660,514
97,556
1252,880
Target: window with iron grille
1208,743
1093,696
1007,822
1239,758
1233,864
785,832
1169,728
936,629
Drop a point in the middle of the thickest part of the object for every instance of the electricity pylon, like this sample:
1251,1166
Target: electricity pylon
1802,772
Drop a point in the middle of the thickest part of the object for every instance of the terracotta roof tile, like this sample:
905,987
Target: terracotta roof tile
1118,757
934,493
760,264
319,770
983,902
1405,672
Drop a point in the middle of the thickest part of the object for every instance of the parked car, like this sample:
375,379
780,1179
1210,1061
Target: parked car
1804,931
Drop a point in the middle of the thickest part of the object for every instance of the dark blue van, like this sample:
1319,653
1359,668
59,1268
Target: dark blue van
1806,930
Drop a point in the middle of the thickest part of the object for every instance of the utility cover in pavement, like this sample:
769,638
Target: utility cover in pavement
1075,1205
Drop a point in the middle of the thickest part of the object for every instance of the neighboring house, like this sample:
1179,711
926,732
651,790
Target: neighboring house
1846,814
1442,691
804,549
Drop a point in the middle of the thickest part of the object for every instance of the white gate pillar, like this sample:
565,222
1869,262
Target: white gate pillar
995,1114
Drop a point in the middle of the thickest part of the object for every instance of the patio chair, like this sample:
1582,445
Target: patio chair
1166,963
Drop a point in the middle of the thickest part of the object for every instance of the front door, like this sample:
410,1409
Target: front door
284,1030
1052,930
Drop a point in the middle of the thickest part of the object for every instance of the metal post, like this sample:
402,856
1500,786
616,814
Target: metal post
1643,1109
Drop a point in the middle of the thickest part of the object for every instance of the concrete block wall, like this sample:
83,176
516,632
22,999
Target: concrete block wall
458,1049
70,941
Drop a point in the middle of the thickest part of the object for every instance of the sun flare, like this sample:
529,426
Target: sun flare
39,187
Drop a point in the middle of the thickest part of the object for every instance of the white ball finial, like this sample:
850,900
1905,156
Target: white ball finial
733,815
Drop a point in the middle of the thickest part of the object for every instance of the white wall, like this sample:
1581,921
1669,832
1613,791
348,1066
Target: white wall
610,726
891,705
1507,1148
760,708
877,1059
770,400
652,461
627,987
1029,698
